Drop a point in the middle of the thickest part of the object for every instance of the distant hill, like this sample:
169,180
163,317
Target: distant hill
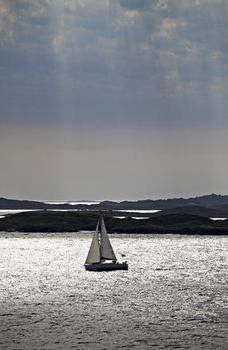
25,204
213,201
194,210
21,204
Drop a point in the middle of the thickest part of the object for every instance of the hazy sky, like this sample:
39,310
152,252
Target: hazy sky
118,99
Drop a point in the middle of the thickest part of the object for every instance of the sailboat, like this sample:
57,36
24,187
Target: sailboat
101,252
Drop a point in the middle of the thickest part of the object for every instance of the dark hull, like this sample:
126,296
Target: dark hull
106,267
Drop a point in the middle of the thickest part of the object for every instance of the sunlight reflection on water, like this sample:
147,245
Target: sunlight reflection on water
173,296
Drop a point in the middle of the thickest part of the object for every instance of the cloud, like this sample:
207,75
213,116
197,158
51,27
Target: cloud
140,5
119,57
7,20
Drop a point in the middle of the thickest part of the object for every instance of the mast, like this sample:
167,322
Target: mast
100,248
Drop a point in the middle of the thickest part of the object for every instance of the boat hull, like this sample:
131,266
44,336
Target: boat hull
106,267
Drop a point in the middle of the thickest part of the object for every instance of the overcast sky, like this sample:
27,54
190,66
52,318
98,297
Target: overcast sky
118,99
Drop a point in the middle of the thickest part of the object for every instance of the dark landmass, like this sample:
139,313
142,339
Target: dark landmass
212,201
24,204
188,210
177,215
194,210
48,221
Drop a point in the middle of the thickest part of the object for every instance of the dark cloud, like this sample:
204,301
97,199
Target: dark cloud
97,57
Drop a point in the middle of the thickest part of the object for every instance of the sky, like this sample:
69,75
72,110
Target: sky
113,99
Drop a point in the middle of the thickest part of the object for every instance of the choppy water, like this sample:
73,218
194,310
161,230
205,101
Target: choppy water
174,296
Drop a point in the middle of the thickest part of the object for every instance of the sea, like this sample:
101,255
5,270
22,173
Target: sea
174,295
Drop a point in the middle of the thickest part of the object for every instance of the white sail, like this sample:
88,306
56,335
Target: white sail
107,252
94,255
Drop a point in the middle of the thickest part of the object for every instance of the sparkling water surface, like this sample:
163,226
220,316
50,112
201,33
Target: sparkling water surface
174,296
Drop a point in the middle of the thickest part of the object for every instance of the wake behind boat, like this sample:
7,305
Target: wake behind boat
101,251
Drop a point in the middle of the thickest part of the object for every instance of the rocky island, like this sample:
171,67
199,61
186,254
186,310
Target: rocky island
178,215
52,221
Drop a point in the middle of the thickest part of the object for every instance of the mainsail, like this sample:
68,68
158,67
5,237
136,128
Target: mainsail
107,252
100,248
